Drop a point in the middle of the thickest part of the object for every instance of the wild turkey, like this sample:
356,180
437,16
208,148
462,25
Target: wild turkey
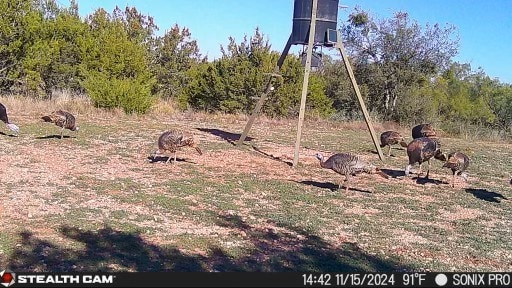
5,119
63,119
389,138
458,162
172,140
420,150
423,130
348,164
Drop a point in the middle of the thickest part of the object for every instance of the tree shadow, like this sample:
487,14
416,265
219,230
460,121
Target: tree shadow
271,156
293,249
160,159
227,136
284,249
106,250
486,195
54,137
331,186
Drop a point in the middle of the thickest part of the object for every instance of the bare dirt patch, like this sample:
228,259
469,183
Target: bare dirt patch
459,213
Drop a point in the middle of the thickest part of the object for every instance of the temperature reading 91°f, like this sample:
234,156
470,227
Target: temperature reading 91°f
413,279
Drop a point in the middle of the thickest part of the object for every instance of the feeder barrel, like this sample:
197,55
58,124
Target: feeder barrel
327,17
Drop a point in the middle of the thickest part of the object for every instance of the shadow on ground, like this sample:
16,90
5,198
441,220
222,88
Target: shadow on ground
423,180
227,136
55,137
393,173
10,135
486,195
331,186
163,159
110,250
289,163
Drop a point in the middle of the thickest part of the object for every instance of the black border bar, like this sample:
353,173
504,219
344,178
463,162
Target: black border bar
263,279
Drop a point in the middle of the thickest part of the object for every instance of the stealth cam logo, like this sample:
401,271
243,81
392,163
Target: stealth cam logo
7,278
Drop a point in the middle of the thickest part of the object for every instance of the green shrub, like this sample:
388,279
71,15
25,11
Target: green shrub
133,95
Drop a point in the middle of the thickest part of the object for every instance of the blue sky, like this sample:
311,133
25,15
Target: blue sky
484,27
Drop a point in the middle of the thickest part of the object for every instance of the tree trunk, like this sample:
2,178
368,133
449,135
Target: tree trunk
386,103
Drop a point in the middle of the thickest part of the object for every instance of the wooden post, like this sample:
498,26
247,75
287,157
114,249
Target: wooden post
339,45
305,82
267,90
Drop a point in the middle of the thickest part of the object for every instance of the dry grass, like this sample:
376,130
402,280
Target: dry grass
29,108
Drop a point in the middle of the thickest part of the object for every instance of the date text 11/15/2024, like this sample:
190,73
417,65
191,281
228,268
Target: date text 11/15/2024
352,279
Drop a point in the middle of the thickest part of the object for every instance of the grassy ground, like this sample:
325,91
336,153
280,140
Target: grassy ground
94,201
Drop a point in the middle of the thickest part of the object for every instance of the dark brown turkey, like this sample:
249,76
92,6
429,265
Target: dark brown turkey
63,119
389,138
348,164
423,130
5,119
420,150
458,162
173,140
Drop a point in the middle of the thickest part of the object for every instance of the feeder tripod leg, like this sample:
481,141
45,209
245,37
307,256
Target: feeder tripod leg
265,93
305,81
339,45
